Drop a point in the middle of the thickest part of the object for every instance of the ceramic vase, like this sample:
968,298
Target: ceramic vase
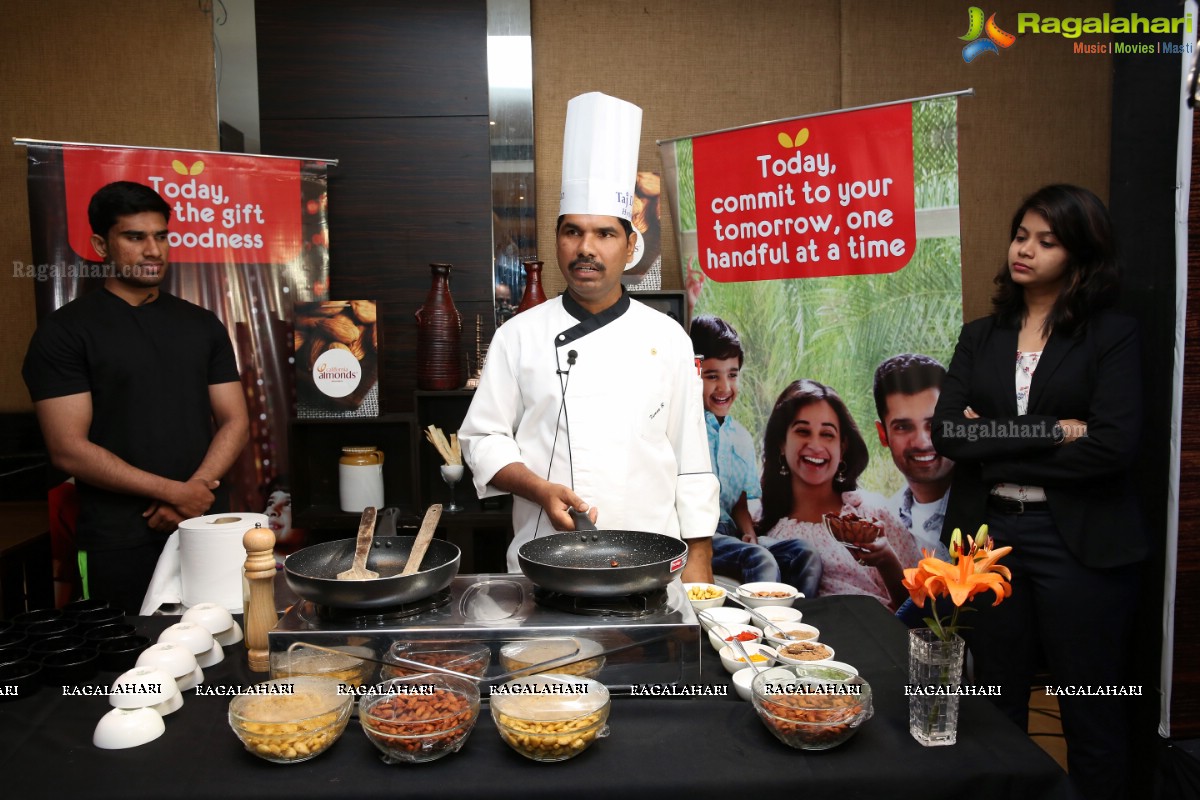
534,294
439,336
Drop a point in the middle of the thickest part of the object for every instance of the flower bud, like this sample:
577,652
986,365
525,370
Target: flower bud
981,537
956,543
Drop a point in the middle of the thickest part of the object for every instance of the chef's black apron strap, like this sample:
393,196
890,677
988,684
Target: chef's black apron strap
588,322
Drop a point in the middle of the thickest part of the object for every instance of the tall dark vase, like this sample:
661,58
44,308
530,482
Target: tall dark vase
439,336
534,294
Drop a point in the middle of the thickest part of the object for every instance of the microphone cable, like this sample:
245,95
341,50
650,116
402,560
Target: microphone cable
563,417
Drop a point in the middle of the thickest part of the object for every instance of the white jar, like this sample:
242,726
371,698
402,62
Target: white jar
360,478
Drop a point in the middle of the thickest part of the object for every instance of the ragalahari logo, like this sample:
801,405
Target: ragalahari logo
993,38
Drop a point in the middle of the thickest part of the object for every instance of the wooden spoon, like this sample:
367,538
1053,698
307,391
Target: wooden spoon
362,546
424,536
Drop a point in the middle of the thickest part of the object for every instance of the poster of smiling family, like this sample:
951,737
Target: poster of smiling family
822,260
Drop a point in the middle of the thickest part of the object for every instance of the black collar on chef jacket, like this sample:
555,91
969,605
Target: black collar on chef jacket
589,322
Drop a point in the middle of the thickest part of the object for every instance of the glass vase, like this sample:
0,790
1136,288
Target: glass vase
935,672
439,336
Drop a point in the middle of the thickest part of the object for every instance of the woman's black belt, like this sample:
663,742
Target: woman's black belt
1009,505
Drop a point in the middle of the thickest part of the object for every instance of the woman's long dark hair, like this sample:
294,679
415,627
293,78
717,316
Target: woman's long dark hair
1082,226
776,488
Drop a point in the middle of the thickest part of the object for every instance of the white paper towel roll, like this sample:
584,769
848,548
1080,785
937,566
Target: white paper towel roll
211,557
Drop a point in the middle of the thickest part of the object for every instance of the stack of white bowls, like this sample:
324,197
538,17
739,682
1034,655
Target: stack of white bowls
176,660
217,620
140,698
197,639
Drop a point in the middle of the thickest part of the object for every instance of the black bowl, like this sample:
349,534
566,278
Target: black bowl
56,644
19,680
70,666
119,655
50,627
27,618
80,606
14,638
113,631
100,616
14,655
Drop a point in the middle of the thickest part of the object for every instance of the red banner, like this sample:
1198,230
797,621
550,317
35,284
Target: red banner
822,196
221,205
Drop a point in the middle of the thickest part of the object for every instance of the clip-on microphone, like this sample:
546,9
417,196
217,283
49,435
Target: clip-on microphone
571,356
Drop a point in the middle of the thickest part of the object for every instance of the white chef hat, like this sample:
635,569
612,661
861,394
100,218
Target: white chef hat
600,155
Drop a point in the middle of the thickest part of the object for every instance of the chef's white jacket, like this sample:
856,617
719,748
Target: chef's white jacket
623,425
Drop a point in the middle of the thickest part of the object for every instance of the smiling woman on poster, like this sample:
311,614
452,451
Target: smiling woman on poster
1041,412
813,455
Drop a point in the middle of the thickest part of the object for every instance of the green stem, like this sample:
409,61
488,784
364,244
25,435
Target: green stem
945,679
953,629
944,633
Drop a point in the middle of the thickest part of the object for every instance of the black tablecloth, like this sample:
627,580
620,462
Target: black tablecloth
712,747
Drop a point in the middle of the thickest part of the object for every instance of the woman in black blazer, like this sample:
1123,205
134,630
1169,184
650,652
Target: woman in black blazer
1041,412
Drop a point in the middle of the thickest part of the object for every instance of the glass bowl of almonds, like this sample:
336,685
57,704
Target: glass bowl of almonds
551,717
468,658
419,718
289,720
813,707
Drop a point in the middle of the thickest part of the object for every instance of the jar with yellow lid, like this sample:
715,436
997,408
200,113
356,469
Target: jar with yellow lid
360,478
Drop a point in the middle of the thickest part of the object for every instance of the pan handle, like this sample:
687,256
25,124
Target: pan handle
582,521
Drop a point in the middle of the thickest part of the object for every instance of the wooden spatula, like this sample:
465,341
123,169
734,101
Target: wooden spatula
424,536
362,547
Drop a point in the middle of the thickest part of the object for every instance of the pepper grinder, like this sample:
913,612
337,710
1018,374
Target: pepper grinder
260,614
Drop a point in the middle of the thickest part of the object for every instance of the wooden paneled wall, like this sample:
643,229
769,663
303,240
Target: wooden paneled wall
397,92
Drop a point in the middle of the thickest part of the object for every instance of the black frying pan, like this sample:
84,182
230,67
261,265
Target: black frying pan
580,563
312,573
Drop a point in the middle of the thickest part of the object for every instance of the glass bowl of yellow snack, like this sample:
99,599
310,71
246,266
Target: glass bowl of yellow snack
289,720
551,717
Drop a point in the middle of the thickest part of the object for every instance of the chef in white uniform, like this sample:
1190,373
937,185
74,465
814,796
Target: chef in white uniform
592,400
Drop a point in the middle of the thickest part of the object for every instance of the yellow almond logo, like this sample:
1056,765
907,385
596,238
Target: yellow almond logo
183,169
789,143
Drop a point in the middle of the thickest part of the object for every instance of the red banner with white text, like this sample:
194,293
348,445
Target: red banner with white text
831,195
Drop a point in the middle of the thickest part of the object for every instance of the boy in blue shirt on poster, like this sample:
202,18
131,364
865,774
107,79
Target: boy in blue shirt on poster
736,551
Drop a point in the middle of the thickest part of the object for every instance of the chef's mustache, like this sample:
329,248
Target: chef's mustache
589,262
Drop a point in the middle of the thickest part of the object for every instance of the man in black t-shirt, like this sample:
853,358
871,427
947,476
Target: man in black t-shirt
138,397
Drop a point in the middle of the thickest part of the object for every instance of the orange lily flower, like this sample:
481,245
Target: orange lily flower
970,576
962,581
919,581
973,569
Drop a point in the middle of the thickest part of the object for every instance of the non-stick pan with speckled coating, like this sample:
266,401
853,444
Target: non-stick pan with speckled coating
312,573
593,563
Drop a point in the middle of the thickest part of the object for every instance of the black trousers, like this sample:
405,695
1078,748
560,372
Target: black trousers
122,576
1076,621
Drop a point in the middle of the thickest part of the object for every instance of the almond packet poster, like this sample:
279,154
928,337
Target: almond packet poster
337,359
